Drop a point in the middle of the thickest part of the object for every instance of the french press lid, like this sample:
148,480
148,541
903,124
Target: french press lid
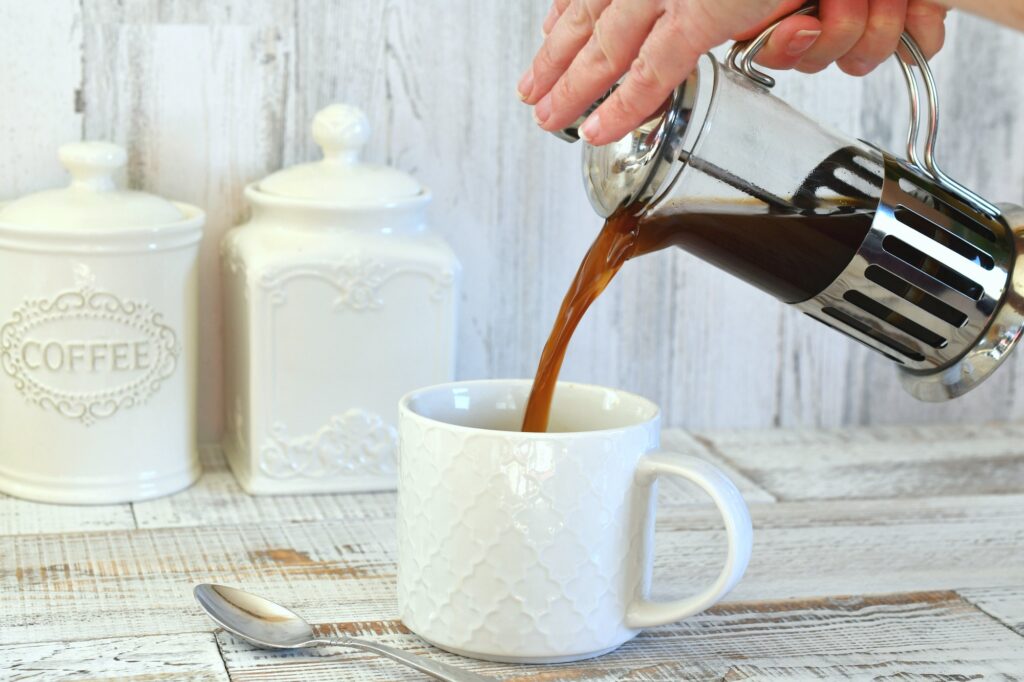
632,169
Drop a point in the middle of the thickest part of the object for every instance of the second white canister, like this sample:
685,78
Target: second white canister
97,338
339,300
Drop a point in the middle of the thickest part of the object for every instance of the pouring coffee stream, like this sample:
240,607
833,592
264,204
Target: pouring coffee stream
891,252
731,236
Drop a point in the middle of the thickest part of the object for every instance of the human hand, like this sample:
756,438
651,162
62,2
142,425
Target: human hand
591,44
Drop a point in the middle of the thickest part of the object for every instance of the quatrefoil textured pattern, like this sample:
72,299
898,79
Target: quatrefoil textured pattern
521,545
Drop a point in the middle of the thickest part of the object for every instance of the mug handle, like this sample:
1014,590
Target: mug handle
643,613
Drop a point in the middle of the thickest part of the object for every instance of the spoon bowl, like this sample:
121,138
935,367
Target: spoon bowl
258,621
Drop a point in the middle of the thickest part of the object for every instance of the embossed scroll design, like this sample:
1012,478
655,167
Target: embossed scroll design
89,304
357,280
355,443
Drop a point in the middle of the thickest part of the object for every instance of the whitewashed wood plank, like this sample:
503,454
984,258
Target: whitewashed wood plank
78,586
947,512
683,443
1005,604
41,53
22,517
200,109
340,55
919,636
899,637
115,584
857,547
879,462
191,656
709,306
207,12
217,500
854,547
635,661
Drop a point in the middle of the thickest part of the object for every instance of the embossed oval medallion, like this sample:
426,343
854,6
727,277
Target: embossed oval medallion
87,354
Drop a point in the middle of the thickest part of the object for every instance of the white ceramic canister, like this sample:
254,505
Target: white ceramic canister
339,300
97,338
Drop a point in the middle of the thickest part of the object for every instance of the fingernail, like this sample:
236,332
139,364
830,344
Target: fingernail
590,128
525,86
542,112
801,42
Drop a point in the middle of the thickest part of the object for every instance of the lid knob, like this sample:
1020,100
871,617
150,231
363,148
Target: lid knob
92,164
342,131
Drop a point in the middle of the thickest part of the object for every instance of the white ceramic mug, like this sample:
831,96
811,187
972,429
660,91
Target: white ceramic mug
537,547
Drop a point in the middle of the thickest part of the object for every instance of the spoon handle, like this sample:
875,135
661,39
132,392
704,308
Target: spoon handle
436,669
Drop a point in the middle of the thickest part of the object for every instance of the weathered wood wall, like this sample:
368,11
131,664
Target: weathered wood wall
211,94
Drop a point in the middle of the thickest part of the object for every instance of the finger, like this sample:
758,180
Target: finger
614,44
567,38
664,61
782,9
842,25
880,39
926,21
789,42
557,8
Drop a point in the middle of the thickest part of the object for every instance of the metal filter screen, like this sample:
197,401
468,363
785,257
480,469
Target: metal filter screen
927,279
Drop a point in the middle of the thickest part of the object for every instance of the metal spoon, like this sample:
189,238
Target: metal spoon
267,625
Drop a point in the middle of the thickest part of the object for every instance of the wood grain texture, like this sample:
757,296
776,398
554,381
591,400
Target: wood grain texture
808,549
218,500
1005,604
945,572
211,95
261,13
344,569
188,656
683,443
41,78
916,636
141,581
880,462
21,517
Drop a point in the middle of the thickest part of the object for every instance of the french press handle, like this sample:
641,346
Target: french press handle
741,59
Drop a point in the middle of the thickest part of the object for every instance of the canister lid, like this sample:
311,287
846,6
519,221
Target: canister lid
93,199
341,178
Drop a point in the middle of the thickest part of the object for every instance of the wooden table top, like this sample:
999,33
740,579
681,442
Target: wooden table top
893,553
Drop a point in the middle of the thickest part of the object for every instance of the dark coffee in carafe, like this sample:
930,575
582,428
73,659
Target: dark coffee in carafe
791,255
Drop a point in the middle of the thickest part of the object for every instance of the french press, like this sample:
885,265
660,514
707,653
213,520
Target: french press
932,277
